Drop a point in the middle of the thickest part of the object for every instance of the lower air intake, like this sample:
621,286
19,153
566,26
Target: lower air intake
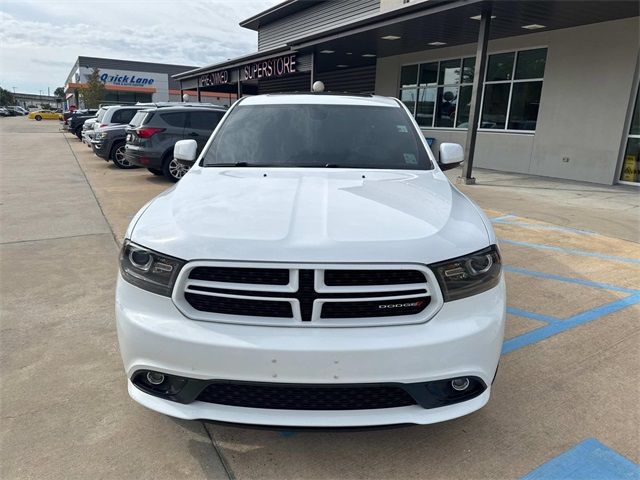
305,397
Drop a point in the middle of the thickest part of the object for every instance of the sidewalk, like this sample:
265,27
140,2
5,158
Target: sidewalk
613,211
64,403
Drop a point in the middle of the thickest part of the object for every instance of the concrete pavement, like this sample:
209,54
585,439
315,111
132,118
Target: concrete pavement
64,405
610,210
568,372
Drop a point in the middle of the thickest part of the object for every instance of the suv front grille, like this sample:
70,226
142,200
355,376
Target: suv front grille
318,296
372,277
257,276
305,397
239,306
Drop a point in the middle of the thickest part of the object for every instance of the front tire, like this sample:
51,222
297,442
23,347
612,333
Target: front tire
38,118
118,158
173,169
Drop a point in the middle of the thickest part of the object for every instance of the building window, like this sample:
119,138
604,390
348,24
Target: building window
631,159
512,90
439,93
432,91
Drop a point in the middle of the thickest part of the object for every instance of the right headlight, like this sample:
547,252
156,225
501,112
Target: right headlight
469,275
148,269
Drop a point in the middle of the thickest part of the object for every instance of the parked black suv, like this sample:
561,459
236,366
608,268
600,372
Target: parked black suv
77,119
153,133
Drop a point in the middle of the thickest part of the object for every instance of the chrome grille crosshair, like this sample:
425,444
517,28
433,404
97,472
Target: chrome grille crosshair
319,295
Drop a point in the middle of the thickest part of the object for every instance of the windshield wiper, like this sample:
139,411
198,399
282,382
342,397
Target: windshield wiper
234,164
266,165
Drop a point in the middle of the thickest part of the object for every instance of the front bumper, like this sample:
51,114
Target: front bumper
463,339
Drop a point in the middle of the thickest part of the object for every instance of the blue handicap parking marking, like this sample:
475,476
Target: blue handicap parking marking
555,327
534,316
571,251
505,220
588,460
577,281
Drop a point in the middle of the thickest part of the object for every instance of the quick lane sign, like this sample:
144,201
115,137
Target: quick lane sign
131,80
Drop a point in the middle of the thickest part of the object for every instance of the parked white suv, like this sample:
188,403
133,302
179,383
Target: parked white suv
90,126
314,268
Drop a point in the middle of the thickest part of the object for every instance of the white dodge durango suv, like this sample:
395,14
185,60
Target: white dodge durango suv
314,268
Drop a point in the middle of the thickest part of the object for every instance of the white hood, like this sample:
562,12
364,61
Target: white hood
311,215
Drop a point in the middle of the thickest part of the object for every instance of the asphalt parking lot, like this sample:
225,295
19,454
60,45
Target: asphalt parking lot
565,399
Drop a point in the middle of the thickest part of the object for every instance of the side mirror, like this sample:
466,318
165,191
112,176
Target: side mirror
451,155
185,152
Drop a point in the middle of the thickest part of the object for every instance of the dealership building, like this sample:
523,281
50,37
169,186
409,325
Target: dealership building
542,87
129,82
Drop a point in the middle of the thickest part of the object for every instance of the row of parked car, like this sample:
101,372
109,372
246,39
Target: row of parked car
13,111
144,135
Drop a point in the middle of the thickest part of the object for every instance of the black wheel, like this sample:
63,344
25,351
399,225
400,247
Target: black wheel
156,171
38,118
118,158
173,169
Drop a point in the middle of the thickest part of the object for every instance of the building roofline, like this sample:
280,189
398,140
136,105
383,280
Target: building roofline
82,57
276,12
234,62
406,12
419,8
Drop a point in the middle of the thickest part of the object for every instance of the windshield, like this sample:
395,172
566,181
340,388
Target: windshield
299,135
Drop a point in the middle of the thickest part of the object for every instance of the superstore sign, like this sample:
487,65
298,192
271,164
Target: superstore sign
269,68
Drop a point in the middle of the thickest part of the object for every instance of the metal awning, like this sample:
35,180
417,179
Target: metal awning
421,23
451,23
234,62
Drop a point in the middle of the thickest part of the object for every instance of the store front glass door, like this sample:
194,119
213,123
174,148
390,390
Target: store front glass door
631,159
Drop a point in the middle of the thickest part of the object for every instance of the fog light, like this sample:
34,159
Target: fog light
155,378
460,384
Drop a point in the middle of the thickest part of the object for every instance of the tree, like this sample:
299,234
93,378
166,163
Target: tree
6,97
59,92
92,93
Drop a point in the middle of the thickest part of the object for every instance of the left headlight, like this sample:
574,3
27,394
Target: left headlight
469,275
149,270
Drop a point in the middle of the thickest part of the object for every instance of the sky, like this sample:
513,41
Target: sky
41,39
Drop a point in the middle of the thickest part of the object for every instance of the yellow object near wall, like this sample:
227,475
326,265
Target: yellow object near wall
629,169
